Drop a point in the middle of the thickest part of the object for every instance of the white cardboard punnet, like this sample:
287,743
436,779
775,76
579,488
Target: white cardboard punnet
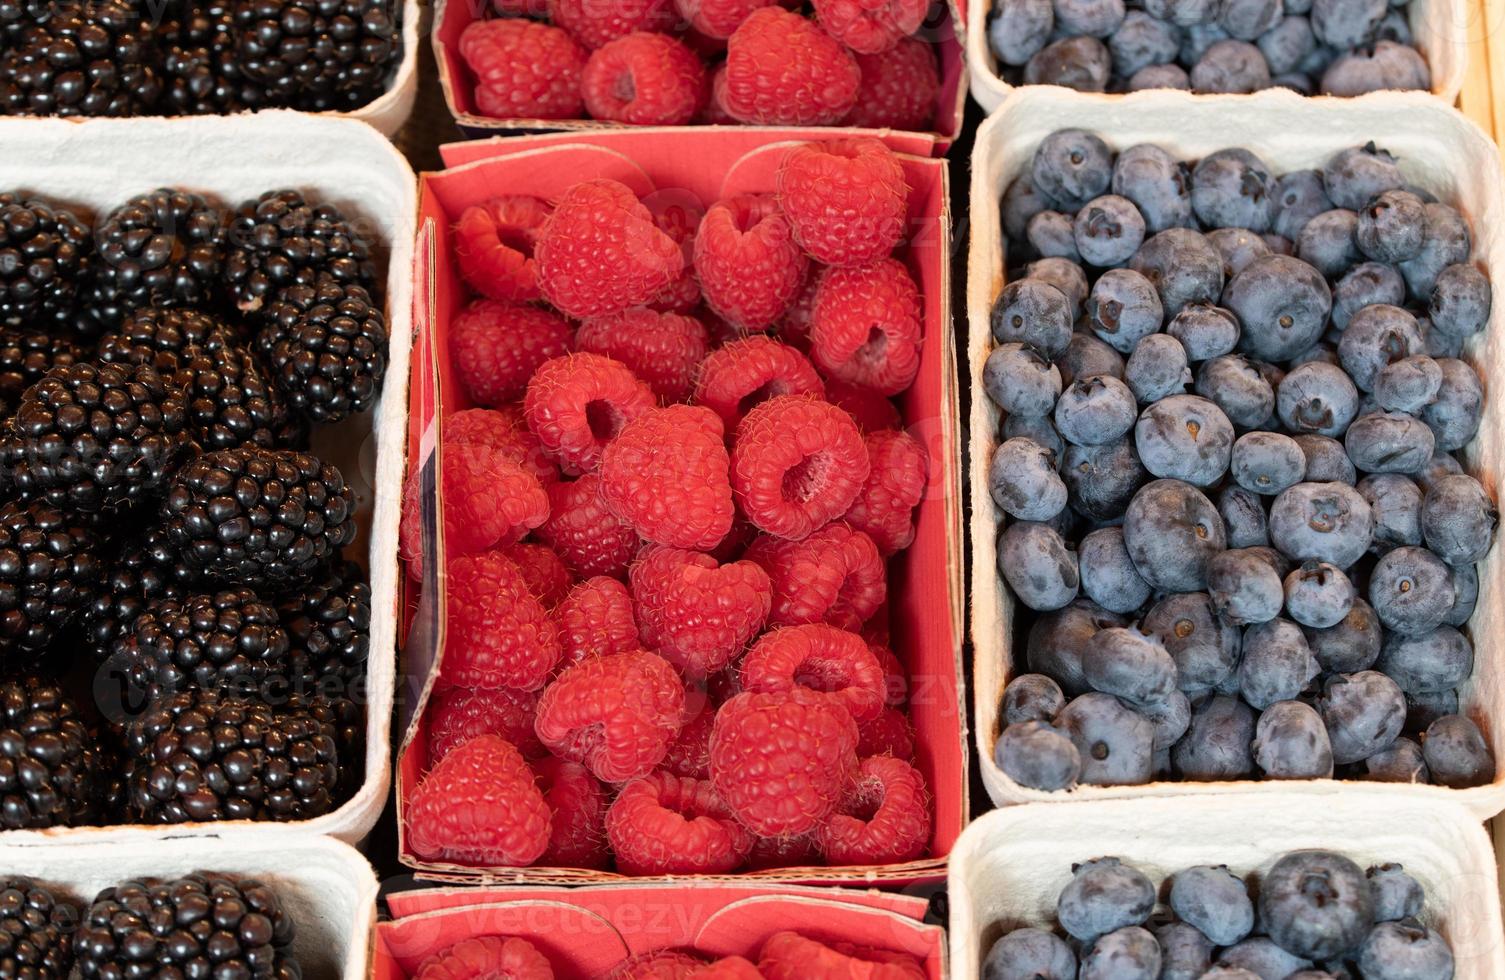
390,111
1439,150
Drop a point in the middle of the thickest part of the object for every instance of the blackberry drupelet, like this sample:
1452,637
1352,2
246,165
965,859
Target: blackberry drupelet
201,755
84,59
43,253
160,337
281,238
49,570
327,347
346,717
231,402
143,570
202,925
51,774
36,931
94,437
319,54
26,355
328,622
266,518
201,71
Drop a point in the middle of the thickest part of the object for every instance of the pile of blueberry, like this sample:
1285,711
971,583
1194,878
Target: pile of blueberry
1332,47
1313,915
1232,402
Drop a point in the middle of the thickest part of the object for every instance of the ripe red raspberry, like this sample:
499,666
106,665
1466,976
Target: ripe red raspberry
871,411
894,488
663,964
494,245
496,347
524,69
714,113
601,252
783,761
782,70
783,852
794,328
888,734
644,79
504,430
578,403
667,824
505,957
457,715
662,349
521,8
900,88
834,576
868,326
730,968
586,536
884,819
847,200
479,806
577,838
542,569
718,18
797,464
790,956
698,615
616,715
499,634
871,26
748,372
749,266
820,658
677,214
488,500
595,620
896,680
594,23
666,474
690,755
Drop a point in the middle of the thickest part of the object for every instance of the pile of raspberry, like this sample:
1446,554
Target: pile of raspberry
667,526
672,62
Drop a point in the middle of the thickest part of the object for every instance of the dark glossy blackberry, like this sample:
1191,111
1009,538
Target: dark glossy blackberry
43,253
50,768
201,755
345,716
200,68
327,347
159,337
49,570
84,59
94,437
329,622
26,355
203,925
142,570
281,238
319,54
266,518
36,931
18,15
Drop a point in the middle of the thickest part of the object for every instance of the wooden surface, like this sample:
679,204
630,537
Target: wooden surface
1483,95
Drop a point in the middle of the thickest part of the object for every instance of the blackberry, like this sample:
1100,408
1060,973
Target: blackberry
50,769
346,718
85,59
94,437
160,337
49,570
43,253
281,238
329,623
319,55
230,400
36,931
26,355
202,755
143,570
202,925
267,518
327,347
201,72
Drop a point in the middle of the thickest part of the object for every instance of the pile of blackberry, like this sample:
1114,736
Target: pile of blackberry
114,58
164,534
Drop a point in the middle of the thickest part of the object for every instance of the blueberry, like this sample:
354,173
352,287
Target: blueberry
1363,711
1389,442
1407,385
1277,664
1183,266
1115,742
1233,189
1037,565
1466,585
1246,20
1315,904
1031,697
1230,68
1439,344
1130,953
1066,276
1411,590
1157,183
1183,13
1440,465
1080,63
1458,519
1071,167
1019,28
1034,312
1395,501
1401,65
1095,18
1030,954
1157,368
1129,664
1172,530
1038,428
1108,230
1391,226
1217,745
1267,462
1238,247
1243,516
1350,645
1352,73
1086,356
1365,285
1299,197
1171,718
1327,242
1402,762
1124,308
1205,331
1142,41
1423,709
1445,241
1023,481
1185,953
1326,459
1206,650
1101,480
1433,662
1377,335
1237,385
1051,235
1243,588
1021,201
1318,595
1058,639
1095,411
1220,972
1037,755
1021,381
1461,300
1405,951
1322,521
1454,415
1104,895
1286,45
1159,76
1108,574
1291,742
1456,753
1354,176
1259,957
1215,901
1317,397
1185,437
1282,304
1396,895
1278,244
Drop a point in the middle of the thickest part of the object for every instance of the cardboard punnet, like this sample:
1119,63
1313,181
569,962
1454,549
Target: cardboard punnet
587,931
451,17
97,165
1439,150
695,168
1010,866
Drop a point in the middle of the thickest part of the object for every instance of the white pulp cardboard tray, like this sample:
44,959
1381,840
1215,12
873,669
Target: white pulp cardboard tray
327,888
1440,28
97,165
1010,866
1438,149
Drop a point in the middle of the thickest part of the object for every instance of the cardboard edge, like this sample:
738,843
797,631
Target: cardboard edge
389,112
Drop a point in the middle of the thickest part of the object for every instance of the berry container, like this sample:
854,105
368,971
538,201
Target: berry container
1010,866
1440,28
1438,149
925,591
97,165
458,82
590,930
327,888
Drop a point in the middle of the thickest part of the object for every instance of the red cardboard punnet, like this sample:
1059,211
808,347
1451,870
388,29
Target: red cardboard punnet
698,167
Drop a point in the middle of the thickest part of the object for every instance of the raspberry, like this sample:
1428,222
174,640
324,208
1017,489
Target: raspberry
494,245
790,956
718,18
783,761
594,23
884,819
698,615
521,8
601,252
896,681
595,620
797,464
749,266
731,968
578,835
488,500
834,576
503,430
714,113
900,88
871,26
496,347
664,964
666,474
819,658
846,199
871,411
578,403
690,754
748,372
645,80
584,534
667,824
545,574
457,715
782,70
677,215
895,485
868,326
888,734
482,957
662,349
782,852
617,714
523,69
499,634
794,328
479,806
